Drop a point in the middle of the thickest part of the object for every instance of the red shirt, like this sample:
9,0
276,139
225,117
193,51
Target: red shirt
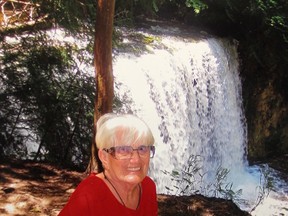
92,197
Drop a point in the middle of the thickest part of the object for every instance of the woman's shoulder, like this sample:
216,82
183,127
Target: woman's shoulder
148,185
92,178
148,180
87,198
90,185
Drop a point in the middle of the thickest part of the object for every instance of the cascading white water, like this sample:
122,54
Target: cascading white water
189,93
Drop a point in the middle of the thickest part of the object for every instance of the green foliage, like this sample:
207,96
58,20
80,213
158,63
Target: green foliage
272,13
266,185
197,5
126,11
47,100
73,15
224,189
190,180
186,179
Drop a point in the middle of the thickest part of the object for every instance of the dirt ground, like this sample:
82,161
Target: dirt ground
34,188
28,188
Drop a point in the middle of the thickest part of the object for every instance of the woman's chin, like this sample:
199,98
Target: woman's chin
134,178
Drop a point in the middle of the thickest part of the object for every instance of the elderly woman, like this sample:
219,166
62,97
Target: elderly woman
125,146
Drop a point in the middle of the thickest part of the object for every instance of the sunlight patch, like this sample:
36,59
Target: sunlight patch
10,208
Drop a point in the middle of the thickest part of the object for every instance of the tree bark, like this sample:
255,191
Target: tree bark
103,57
103,69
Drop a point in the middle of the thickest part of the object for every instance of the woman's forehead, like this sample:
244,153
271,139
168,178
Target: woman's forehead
129,137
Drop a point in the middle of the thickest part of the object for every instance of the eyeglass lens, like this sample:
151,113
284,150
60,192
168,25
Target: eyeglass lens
126,152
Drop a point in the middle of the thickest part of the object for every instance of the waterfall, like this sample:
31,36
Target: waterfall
189,93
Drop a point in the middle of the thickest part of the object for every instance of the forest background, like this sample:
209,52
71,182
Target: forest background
45,92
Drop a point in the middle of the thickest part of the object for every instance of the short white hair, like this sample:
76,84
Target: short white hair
132,128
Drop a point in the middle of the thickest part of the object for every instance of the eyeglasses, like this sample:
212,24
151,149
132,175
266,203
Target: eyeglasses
126,152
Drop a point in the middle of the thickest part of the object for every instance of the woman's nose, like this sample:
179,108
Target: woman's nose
135,155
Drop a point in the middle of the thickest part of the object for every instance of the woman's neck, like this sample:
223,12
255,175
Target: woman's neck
128,195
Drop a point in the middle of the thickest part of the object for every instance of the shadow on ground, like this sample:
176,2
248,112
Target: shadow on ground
29,188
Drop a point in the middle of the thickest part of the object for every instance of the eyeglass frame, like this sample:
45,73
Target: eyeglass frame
112,151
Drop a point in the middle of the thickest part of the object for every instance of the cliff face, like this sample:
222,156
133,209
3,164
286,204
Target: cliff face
265,103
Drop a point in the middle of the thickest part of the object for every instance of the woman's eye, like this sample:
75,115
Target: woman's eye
123,149
143,149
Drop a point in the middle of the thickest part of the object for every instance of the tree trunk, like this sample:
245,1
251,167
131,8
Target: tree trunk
103,57
103,69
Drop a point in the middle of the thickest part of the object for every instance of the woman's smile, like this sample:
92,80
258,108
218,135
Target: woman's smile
134,169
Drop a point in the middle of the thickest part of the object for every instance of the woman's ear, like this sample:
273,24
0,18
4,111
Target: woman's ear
103,156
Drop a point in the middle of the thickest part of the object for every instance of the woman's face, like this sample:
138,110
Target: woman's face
131,171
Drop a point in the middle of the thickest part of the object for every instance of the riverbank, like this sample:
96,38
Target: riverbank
29,188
